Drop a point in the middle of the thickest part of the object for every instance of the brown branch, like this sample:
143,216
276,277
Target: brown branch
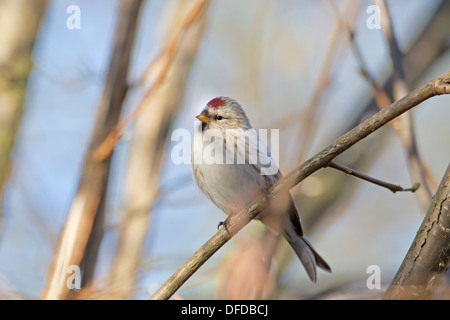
86,210
162,64
394,188
405,129
403,125
306,120
435,87
381,96
306,127
428,258
19,27
141,189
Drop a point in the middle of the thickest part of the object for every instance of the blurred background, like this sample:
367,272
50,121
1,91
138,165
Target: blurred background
90,92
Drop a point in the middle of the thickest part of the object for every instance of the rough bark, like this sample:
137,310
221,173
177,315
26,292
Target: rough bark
428,258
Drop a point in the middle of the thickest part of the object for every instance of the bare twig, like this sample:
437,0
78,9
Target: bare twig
394,188
306,128
404,124
428,257
147,149
381,97
406,129
421,53
435,87
162,64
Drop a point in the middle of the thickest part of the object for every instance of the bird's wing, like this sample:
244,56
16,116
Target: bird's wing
265,161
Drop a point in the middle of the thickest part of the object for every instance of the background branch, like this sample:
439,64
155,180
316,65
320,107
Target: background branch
147,150
406,129
308,120
421,53
438,86
162,64
85,218
19,26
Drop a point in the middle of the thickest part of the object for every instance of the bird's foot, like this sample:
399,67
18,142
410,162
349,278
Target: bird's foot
223,223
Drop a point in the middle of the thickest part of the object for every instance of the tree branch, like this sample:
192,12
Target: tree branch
435,87
394,188
162,64
406,129
428,257
84,219
19,27
146,156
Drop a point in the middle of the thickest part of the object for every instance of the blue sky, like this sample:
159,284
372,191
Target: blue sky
66,85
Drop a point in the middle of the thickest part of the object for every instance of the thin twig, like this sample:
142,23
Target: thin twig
308,118
145,160
403,126
163,63
406,129
394,188
381,96
435,87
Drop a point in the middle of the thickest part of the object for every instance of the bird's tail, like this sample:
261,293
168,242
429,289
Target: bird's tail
307,255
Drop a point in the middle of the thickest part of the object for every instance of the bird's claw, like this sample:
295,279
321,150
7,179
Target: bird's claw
224,223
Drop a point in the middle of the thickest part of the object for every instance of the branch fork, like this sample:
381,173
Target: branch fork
318,161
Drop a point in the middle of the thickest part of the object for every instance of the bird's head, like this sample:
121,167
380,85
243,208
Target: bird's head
223,113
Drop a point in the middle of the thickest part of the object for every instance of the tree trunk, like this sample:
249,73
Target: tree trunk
428,258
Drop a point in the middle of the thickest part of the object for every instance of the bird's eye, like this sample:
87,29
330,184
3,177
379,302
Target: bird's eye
219,117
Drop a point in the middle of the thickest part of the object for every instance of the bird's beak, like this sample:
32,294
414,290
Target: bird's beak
203,118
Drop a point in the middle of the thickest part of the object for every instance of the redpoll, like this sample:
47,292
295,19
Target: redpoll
233,185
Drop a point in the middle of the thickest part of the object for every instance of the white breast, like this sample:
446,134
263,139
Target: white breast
230,186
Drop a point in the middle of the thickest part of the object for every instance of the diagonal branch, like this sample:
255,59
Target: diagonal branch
82,232
394,188
162,65
435,87
307,124
147,149
406,129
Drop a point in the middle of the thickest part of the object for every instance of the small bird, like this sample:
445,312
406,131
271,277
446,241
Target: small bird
232,187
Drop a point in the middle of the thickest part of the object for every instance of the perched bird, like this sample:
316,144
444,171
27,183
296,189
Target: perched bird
233,186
